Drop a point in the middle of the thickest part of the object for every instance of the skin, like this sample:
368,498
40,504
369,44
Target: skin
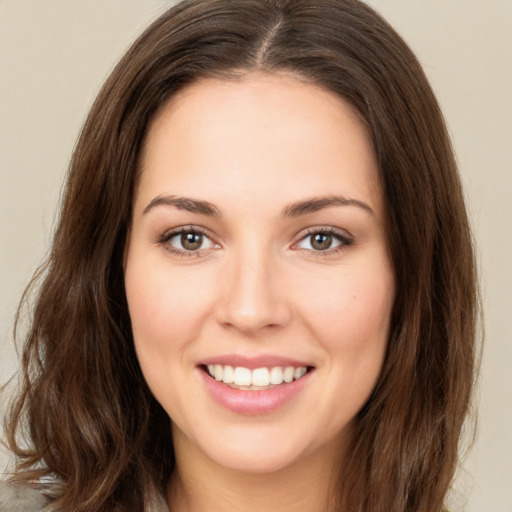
251,148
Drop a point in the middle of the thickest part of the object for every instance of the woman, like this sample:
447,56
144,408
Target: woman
261,292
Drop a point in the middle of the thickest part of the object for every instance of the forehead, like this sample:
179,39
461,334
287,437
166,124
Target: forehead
256,134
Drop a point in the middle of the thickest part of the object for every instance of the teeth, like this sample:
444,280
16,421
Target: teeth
229,375
299,372
276,375
243,376
258,378
288,373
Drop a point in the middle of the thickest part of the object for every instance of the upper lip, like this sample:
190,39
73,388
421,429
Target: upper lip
261,361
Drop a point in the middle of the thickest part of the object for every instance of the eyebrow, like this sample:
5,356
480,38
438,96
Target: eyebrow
318,203
184,203
293,210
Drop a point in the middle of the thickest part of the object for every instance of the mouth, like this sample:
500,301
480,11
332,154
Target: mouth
257,379
255,385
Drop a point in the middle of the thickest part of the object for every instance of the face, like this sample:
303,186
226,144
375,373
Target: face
257,276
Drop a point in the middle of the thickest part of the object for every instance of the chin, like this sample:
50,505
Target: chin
256,460
266,448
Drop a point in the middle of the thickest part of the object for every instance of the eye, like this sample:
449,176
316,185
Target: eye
323,241
187,241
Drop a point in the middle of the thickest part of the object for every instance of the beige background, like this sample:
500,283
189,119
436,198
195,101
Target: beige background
54,55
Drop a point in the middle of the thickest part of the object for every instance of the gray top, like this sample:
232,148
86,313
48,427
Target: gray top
16,497
21,498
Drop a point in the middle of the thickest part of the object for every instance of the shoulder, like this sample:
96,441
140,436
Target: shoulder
17,497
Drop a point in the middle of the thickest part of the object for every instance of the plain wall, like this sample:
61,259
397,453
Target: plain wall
55,54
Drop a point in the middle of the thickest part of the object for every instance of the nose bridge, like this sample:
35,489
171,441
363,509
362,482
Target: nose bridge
252,297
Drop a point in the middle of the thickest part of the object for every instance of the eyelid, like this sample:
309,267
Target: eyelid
164,239
345,239
343,236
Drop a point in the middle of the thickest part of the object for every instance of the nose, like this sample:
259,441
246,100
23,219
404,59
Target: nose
254,298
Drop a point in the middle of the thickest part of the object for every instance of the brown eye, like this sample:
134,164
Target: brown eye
324,241
321,241
187,241
191,241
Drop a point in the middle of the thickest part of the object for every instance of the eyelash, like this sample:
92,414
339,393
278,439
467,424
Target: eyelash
343,239
166,237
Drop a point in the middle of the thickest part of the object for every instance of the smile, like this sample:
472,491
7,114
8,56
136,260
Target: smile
254,386
257,379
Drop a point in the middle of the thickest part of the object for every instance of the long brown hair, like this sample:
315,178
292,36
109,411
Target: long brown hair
88,417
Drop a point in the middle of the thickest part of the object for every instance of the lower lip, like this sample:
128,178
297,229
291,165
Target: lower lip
253,402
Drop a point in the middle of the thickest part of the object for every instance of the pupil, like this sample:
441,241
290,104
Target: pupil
191,241
321,241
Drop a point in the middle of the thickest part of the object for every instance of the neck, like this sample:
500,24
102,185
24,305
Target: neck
200,485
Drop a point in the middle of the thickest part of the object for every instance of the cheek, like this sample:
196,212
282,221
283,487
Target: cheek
165,306
350,314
